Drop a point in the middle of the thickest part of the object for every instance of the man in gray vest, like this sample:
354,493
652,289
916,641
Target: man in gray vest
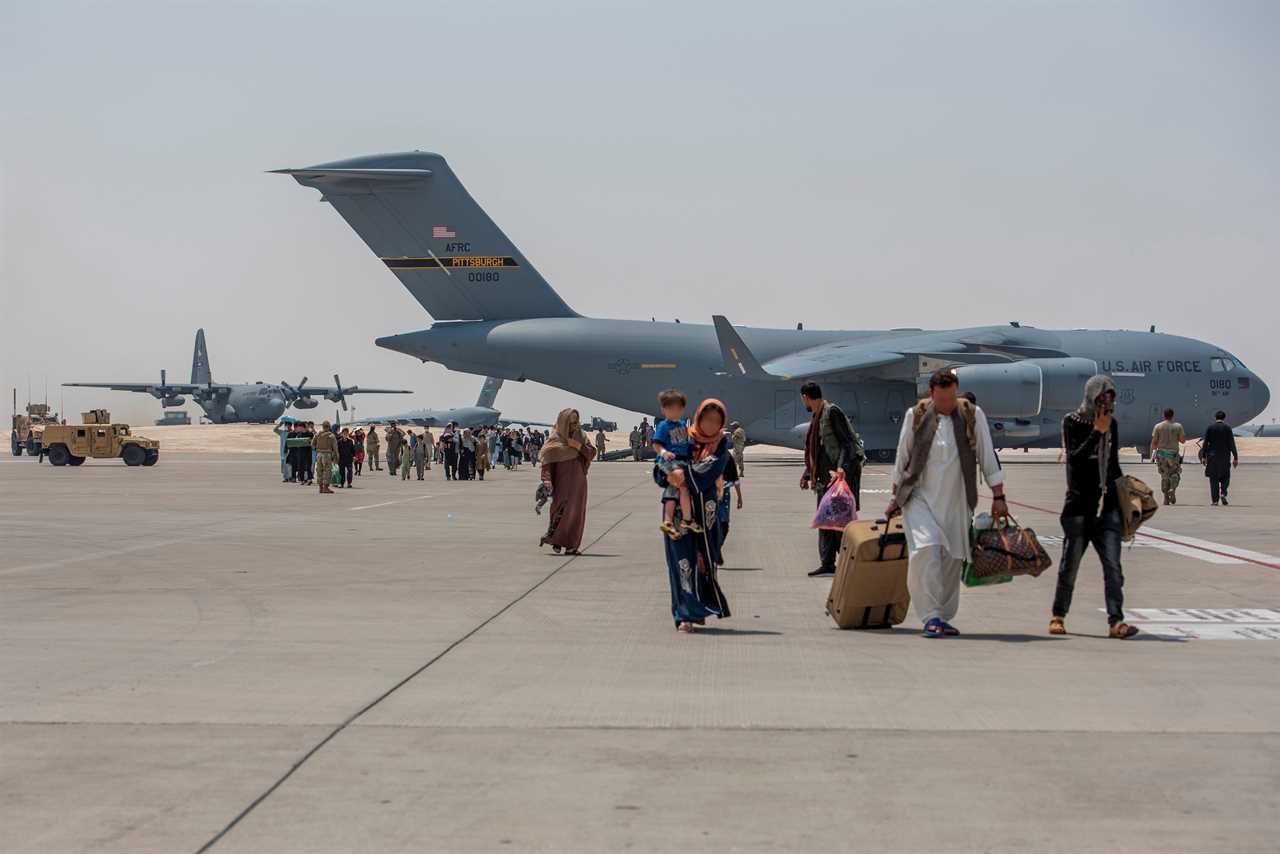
828,453
943,443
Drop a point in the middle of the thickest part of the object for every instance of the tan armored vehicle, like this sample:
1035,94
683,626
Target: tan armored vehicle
27,429
97,437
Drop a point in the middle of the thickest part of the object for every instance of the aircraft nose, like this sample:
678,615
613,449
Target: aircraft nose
1261,394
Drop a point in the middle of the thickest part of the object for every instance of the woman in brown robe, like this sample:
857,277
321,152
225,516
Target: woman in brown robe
566,456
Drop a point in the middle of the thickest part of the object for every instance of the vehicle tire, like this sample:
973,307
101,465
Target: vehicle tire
884,455
15,447
33,449
133,455
73,460
152,457
59,455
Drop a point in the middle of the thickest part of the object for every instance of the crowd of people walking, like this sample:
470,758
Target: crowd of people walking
944,445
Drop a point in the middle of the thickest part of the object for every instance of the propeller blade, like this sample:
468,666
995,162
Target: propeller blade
163,383
342,398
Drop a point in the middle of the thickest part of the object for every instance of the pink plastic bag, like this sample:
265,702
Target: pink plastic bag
836,509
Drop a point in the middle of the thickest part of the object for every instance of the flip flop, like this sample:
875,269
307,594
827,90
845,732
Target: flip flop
933,629
948,629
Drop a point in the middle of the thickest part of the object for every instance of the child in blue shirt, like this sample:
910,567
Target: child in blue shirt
672,447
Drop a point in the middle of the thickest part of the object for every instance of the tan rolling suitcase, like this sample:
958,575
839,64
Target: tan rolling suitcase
869,590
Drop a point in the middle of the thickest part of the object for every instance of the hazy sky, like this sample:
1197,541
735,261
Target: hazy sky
844,164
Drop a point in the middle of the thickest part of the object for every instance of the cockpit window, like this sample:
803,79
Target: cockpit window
1220,364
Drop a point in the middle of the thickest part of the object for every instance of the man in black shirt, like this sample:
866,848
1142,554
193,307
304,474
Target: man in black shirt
1219,455
1091,512
829,454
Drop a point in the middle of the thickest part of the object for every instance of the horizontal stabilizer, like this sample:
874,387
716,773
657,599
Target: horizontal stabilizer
426,229
356,174
739,361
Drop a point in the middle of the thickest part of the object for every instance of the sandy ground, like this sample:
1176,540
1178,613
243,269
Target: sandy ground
258,439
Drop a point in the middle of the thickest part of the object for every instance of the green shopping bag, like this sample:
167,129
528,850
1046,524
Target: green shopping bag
336,480
967,575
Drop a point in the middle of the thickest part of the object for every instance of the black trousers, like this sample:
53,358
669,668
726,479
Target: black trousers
344,472
1104,533
828,541
467,465
450,465
1218,483
303,467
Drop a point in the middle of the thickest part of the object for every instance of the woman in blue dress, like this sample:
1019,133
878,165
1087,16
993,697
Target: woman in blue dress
692,559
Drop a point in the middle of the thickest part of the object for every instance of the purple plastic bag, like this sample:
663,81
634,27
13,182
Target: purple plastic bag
836,509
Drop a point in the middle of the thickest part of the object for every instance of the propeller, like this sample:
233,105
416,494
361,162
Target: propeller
292,393
340,395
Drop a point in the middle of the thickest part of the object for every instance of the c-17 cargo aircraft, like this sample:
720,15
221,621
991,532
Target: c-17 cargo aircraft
224,403
496,316
481,415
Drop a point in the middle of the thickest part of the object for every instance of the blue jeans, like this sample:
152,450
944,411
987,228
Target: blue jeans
1104,533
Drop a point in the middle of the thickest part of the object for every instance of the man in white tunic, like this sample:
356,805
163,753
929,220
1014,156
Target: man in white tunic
944,441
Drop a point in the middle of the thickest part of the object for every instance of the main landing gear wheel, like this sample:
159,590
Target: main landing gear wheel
59,455
133,455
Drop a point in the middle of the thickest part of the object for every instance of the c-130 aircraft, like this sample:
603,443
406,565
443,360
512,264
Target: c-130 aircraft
233,403
496,316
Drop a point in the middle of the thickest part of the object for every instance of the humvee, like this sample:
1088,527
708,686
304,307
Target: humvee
97,437
27,429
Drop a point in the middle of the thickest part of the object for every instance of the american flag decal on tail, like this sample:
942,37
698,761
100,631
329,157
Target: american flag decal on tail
440,232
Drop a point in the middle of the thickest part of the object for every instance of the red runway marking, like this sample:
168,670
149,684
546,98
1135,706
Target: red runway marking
1167,540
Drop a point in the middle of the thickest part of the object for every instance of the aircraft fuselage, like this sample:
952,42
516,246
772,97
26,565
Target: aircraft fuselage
626,363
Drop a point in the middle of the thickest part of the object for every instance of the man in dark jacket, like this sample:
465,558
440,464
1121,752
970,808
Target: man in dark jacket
1091,510
1219,455
829,455
346,457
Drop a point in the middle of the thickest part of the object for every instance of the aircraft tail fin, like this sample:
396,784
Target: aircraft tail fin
416,216
200,374
489,392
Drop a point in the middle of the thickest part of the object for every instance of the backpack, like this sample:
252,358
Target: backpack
1137,504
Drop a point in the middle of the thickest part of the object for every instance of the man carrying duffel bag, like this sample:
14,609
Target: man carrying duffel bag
1091,513
943,443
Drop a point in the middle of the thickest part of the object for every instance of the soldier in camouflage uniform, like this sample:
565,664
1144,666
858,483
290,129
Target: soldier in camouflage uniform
371,446
739,439
395,438
600,444
325,445
1166,446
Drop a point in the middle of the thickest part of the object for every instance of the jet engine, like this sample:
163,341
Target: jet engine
306,403
174,400
1027,388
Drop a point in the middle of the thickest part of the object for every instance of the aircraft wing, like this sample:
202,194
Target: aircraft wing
851,357
331,392
153,388
507,422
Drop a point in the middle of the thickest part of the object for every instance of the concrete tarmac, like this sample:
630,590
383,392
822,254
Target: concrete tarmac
198,655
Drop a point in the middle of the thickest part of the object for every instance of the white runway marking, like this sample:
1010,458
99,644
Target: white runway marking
388,503
1207,623
1223,553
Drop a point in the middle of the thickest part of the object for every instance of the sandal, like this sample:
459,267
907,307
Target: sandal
694,527
1057,626
1120,631
687,628
933,629
670,530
